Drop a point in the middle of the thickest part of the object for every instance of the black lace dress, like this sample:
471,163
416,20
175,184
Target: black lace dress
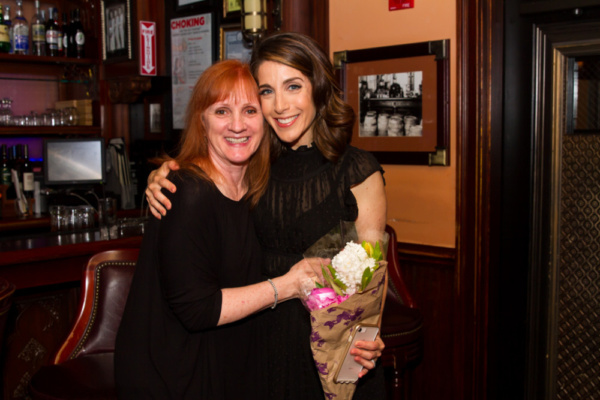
306,198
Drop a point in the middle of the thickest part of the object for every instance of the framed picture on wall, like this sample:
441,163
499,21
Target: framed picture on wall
400,95
116,30
232,44
232,8
154,117
183,5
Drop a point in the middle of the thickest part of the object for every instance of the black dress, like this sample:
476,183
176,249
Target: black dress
306,198
168,345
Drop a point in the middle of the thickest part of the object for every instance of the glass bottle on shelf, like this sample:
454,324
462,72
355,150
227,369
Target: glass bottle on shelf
5,174
4,34
69,36
8,22
13,163
38,32
64,34
53,34
27,174
79,35
20,31
61,32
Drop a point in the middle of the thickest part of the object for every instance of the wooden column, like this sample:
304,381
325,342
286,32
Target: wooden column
310,17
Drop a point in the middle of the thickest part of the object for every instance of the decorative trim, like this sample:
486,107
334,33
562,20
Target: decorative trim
90,324
128,89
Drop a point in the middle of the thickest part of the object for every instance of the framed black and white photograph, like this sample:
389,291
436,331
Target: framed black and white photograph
233,45
116,30
400,95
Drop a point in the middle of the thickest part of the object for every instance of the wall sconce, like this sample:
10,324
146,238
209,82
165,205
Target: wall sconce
254,20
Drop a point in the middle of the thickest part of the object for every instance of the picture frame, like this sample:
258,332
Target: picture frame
232,8
154,117
116,30
192,5
401,97
232,44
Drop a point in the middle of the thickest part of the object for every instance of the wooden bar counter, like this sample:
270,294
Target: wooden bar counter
46,269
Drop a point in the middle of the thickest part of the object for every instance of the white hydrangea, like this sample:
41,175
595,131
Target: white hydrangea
350,265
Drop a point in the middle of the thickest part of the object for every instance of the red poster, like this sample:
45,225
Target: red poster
401,4
147,48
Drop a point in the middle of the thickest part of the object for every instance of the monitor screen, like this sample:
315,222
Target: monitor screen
74,161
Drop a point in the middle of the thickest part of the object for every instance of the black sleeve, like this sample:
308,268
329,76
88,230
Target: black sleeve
359,165
186,256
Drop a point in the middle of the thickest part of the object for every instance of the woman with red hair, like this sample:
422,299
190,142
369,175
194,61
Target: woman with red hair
187,329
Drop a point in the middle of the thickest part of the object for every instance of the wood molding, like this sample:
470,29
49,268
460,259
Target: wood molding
426,253
479,135
128,89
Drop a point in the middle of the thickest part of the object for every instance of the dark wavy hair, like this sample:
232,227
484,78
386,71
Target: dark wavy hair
332,127
220,81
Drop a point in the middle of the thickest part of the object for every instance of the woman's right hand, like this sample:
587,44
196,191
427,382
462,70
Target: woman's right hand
158,202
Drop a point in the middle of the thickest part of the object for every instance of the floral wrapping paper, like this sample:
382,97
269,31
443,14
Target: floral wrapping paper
332,326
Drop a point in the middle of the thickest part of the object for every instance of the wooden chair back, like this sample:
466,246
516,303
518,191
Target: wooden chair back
397,289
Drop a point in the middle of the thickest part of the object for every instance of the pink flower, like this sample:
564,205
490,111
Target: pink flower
321,298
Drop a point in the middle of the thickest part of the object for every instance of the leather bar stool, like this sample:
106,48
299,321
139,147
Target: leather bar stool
401,328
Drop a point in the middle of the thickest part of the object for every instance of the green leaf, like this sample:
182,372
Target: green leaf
338,286
331,281
336,280
377,252
318,285
366,278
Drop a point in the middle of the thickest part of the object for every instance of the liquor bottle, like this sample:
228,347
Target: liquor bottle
38,32
8,22
65,35
79,35
20,31
5,174
70,49
4,34
53,34
11,193
27,174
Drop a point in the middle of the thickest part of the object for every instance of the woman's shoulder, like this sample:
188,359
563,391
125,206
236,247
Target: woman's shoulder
355,156
189,184
358,164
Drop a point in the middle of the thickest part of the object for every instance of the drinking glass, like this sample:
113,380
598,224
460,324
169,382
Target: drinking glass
57,218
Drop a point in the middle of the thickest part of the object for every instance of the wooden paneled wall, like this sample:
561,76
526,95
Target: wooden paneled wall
429,273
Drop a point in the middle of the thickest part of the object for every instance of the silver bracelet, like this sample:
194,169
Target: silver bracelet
274,290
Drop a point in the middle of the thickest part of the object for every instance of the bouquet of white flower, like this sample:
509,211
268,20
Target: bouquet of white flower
353,293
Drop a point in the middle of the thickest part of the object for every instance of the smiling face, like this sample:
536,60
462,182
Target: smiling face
234,130
287,103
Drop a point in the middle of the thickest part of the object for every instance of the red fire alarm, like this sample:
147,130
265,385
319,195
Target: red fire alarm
401,4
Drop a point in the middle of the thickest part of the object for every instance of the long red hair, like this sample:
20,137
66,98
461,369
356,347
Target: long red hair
230,79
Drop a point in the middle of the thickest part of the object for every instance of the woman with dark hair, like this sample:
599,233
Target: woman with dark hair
317,179
187,330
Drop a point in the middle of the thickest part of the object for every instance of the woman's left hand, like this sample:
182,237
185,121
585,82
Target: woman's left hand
367,354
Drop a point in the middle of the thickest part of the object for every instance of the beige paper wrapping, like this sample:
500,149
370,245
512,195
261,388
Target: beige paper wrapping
332,326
